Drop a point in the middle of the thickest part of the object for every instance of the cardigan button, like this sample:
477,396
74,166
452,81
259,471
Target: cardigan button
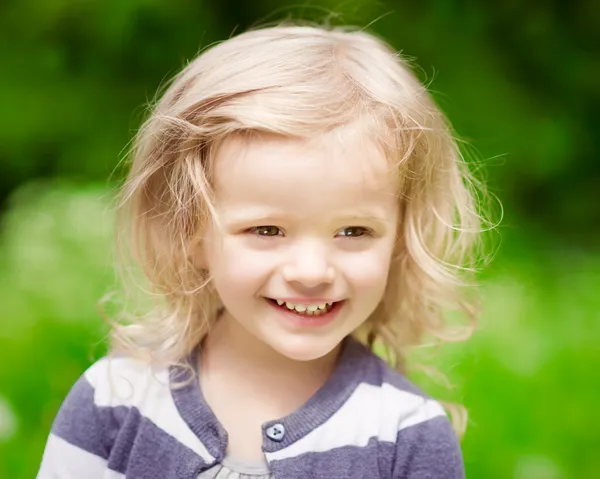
276,432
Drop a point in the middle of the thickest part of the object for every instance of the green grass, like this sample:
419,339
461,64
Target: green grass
528,376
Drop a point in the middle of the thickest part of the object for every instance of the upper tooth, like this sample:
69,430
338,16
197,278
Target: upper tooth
304,307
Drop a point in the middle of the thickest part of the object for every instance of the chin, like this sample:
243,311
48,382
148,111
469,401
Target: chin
308,350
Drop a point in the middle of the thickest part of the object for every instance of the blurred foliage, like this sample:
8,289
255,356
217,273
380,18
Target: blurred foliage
518,81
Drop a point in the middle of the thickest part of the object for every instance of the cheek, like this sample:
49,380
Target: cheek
367,270
235,268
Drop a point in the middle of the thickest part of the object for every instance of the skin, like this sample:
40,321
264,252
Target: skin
309,220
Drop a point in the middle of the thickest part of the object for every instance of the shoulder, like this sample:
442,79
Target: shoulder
117,395
414,428
123,381
372,423
101,400
121,413
390,392
91,418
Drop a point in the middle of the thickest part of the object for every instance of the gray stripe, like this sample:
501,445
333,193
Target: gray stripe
428,450
195,411
84,425
372,460
144,451
132,444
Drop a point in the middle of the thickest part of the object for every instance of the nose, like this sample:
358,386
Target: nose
308,265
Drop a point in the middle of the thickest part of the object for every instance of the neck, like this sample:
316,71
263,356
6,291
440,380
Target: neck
230,345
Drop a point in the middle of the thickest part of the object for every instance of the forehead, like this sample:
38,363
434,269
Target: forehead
301,177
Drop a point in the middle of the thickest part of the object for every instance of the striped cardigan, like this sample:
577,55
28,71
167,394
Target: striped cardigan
123,419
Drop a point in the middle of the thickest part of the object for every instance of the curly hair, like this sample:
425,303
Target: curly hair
297,82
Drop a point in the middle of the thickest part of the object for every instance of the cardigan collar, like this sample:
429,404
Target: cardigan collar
193,408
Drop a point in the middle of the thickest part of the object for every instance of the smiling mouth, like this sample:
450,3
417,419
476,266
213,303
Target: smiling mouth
305,309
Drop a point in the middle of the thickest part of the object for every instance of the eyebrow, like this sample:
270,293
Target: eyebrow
250,216
275,216
376,221
364,216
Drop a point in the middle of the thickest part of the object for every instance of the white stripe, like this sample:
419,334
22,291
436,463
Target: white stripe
63,460
371,412
125,382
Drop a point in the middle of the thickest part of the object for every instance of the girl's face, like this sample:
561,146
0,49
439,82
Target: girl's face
307,233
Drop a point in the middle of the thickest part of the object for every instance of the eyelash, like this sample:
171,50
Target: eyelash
364,231
257,228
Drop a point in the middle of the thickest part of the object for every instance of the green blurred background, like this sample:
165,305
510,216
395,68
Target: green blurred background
519,80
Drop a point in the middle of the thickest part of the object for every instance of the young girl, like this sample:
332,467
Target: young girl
297,203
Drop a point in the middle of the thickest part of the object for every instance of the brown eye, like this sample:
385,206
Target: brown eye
266,231
354,232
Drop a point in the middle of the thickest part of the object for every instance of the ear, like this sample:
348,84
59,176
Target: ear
198,254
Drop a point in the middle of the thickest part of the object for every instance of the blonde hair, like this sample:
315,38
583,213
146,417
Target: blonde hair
297,82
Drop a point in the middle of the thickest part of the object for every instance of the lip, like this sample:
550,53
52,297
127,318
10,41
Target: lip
307,321
304,300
